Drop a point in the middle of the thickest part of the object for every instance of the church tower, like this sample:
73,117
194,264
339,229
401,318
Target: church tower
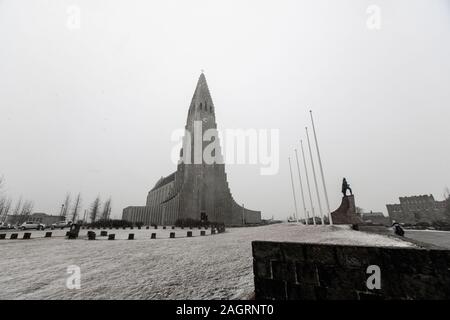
198,189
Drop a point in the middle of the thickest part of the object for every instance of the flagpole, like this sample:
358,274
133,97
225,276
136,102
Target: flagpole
301,189
321,170
293,189
307,183
314,176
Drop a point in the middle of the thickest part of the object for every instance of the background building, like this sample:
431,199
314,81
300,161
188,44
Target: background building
415,209
376,218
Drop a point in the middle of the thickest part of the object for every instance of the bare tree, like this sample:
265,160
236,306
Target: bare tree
95,208
5,208
359,211
66,205
106,210
76,207
26,210
18,207
447,200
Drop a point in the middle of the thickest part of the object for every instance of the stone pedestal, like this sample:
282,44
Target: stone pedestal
346,213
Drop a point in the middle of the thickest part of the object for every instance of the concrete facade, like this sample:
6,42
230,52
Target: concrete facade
415,209
198,189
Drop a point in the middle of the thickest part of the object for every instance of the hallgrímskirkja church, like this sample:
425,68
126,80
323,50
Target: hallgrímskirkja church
198,189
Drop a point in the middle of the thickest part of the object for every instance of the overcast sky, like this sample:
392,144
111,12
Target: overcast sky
92,109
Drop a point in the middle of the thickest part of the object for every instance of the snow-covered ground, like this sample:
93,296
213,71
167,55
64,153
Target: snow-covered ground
210,267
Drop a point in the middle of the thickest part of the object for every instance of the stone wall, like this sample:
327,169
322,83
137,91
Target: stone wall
299,271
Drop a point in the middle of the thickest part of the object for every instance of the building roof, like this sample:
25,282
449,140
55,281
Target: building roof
164,180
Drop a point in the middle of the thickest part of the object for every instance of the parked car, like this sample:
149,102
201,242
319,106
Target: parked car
32,225
5,226
61,225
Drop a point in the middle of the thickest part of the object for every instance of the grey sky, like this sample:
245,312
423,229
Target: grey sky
92,109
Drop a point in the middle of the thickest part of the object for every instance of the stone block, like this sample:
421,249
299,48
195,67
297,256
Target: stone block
13,236
153,236
2,236
263,250
172,235
131,236
292,252
261,269
203,233
189,233
307,274
300,292
270,289
112,236
320,254
103,233
48,234
279,270
91,235
26,236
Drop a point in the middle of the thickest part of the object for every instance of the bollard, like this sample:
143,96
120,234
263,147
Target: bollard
91,235
173,227
147,227
3,236
182,228
190,228
153,236
164,227
156,227
26,236
139,228
103,233
203,233
131,236
117,228
189,233
131,228
13,236
124,228
111,236
172,235
48,234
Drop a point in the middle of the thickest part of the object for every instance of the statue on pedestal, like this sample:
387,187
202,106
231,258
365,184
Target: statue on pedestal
345,187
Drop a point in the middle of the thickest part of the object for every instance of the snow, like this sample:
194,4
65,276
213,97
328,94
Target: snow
202,267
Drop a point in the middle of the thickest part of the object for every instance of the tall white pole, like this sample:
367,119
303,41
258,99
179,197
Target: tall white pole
321,170
314,176
305,213
307,183
293,190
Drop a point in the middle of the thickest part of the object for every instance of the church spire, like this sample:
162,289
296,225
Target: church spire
202,98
